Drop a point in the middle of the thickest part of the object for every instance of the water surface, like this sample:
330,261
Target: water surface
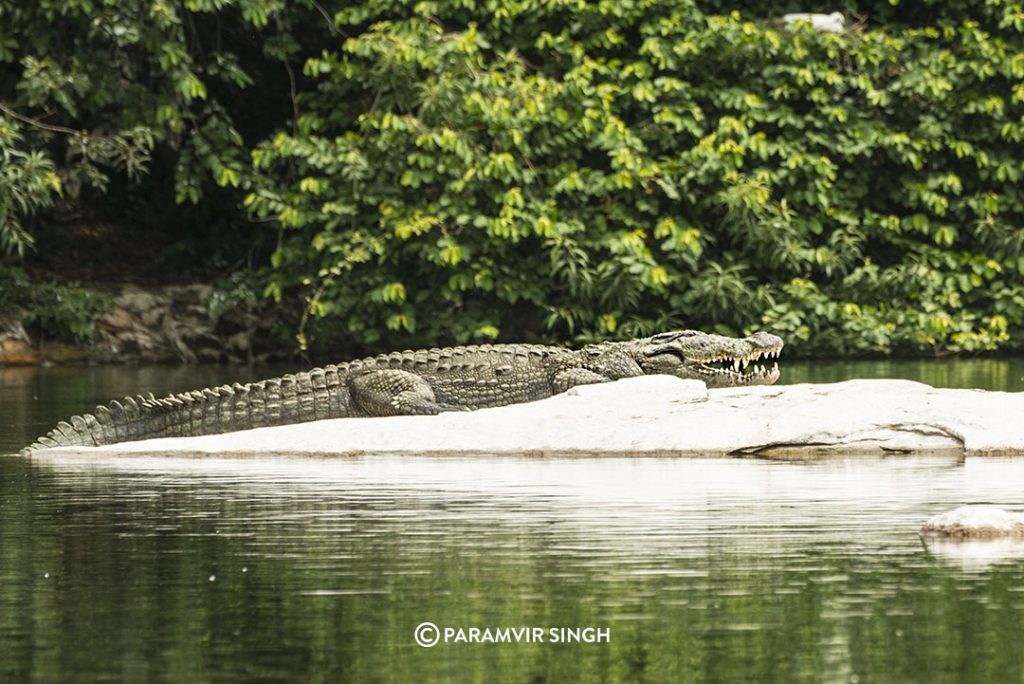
701,569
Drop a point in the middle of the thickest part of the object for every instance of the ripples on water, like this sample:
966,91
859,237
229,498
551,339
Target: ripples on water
704,570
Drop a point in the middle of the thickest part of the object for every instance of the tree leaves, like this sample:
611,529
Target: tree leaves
698,171
541,170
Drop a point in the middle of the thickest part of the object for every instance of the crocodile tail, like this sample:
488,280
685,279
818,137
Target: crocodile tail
320,393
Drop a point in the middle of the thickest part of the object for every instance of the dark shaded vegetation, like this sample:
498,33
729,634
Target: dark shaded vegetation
403,174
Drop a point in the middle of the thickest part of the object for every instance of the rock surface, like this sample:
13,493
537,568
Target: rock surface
975,522
659,415
164,323
15,346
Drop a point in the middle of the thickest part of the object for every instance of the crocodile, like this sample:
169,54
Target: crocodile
423,382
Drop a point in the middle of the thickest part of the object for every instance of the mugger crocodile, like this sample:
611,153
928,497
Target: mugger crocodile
422,382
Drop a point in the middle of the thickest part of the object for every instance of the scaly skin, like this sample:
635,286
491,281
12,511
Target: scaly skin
422,382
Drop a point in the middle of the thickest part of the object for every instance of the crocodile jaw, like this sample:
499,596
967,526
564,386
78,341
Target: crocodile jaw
716,360
723,377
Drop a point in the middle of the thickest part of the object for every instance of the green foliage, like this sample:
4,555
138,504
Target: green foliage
475,170
239,289
62,313
91,89
517,169
27,184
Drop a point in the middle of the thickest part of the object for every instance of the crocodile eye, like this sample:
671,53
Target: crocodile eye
662,350
674,335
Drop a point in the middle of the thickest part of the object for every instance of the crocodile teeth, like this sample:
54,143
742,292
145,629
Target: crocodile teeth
736,364
746,362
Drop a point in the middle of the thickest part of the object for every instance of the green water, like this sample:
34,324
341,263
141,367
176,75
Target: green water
699,570
1006,375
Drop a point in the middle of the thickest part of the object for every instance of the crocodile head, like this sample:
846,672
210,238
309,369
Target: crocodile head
717,360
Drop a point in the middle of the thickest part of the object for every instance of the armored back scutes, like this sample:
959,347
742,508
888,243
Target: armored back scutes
313,395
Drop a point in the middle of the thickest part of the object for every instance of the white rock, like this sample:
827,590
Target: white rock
975,522
659,415
825,23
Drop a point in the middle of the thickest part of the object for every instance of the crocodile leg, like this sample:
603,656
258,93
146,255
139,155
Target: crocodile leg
572,377
392,392
615,365
612,365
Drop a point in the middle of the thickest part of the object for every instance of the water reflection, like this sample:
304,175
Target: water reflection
640,505
705,570
976,554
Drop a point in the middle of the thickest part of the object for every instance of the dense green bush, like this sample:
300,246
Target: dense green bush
92,91
522,169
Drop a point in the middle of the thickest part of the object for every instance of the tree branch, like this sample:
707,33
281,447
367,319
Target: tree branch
37,123
330,21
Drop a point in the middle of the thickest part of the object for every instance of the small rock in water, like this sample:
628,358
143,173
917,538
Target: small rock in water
975,522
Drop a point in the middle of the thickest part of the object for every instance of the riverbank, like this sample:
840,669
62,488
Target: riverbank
184,323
